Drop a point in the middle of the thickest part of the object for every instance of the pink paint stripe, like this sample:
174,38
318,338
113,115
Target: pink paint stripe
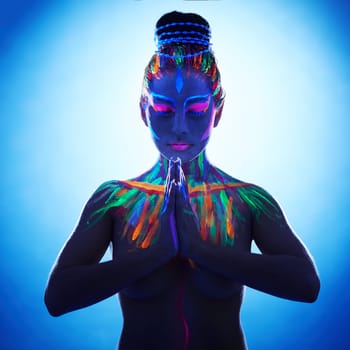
187,335
180,312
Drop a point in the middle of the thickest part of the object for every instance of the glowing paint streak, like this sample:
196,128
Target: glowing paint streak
180,310
206,133
201,164
219,206
204,62
154,95
154,134
230,229
173,231
196,97
179,81
139,225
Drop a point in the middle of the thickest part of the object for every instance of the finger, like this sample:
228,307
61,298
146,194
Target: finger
182,197
179,175
169,178
182,188
184,210
173,163
169,198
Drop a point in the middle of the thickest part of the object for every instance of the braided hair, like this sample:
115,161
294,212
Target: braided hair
183,42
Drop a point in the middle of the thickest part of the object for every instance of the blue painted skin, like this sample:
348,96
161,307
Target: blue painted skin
175,123
179,81
166,303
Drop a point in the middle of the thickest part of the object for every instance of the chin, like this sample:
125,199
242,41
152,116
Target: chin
184,156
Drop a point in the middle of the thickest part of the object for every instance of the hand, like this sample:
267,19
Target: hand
167,217
187,223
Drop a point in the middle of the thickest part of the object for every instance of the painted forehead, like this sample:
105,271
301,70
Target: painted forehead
184,83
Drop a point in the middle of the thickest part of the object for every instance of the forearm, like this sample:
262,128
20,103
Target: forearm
285,276
75,287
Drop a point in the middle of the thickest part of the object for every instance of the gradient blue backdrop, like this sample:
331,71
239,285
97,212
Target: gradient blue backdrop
70,78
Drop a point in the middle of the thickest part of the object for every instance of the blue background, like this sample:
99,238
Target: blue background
70,79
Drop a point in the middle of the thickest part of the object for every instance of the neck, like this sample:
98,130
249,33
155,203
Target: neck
196,169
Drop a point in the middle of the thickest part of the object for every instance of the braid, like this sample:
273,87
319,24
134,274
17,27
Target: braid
183,41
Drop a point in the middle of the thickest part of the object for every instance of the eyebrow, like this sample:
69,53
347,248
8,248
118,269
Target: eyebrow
189,99
192,99
164,98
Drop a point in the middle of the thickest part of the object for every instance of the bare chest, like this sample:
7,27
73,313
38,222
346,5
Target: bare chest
221,213
224,223
183,276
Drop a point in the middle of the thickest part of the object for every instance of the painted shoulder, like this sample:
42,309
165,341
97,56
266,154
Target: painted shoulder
103,199
255,197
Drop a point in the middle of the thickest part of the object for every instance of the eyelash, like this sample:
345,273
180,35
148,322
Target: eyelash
167,112
198,110
196,113
163,111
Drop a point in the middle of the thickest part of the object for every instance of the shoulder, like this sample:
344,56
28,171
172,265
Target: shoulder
258,200
221,177
113,194
101,201
103,193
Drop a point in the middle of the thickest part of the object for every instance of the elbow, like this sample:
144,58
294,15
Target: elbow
54,300
52,305
55,296
54,312
312,289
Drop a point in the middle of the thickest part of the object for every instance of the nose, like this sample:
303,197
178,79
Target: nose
180,124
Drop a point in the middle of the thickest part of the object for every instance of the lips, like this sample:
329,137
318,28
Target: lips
179,146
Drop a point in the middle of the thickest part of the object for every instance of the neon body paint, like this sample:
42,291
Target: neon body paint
179,81
218,204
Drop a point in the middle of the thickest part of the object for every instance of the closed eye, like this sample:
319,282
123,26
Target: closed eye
162,108
198,108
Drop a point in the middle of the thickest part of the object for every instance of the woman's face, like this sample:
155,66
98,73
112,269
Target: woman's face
180,112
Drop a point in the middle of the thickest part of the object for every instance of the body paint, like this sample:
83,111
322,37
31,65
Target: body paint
196,97
218,205
179,81
180,310
206,133
199,108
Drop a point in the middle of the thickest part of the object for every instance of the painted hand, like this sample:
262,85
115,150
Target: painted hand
187,224
167,217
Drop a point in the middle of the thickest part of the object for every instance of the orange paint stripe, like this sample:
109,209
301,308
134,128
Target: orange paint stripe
138,227
192,263
156,210
152,224
151,232
230,228
121,192
144,186
214,187
194,190
229,225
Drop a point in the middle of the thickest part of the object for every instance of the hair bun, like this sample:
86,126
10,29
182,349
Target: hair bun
182,28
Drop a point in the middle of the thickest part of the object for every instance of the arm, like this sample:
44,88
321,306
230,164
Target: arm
78,279
285,268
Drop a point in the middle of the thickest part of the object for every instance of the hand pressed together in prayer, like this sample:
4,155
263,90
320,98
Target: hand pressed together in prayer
184,221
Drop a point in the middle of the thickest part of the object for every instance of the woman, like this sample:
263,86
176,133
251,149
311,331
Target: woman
181,232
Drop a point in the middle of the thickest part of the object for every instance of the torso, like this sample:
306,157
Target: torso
180,305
